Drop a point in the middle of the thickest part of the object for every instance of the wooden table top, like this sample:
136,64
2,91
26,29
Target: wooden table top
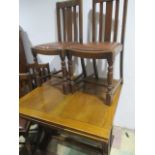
81,113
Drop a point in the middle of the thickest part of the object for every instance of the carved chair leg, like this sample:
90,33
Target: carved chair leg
109,81
70,68
64,72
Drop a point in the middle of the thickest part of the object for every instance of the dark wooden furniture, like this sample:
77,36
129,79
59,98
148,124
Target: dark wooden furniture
106,47
26,127
39,73
22,56
25,86
49,107
69,24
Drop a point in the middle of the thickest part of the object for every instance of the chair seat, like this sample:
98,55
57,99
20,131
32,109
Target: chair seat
51,48
95,50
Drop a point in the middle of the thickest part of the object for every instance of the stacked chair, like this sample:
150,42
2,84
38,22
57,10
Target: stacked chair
70,43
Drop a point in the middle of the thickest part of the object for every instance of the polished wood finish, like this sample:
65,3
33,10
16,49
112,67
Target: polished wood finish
106,47
64,114
48,106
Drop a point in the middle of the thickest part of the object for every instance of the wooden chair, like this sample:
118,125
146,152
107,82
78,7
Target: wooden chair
39,73
25,86
103,48
69,26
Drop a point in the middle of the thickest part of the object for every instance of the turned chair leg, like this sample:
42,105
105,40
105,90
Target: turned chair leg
109,81
70,68
64,72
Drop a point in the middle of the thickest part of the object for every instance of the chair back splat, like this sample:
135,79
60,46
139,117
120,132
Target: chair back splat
69,21
109,17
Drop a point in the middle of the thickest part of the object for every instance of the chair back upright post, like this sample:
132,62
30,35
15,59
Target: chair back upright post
70,24
110,26
25,84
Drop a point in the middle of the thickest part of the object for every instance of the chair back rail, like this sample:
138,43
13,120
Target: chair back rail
110,25
69,21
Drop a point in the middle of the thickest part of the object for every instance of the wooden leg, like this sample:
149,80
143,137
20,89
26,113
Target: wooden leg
45,141
38,140
109,81
111,138
64,72
106,148
95,69
48,70
83,67
121,66
70,68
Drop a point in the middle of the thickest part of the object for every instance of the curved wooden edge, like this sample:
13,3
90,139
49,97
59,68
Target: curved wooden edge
45,51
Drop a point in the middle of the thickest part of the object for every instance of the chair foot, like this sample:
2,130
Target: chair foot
108,99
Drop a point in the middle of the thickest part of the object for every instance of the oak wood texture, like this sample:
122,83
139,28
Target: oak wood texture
79,113
105,46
